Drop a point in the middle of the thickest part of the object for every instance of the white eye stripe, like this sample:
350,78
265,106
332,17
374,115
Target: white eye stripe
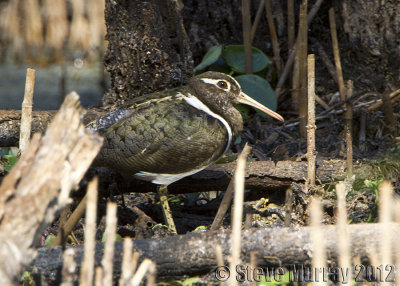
215,82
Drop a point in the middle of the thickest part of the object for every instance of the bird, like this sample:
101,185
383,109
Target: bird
165,136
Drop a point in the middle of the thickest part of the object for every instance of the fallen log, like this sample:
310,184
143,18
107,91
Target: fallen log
38,186
194,253
260,176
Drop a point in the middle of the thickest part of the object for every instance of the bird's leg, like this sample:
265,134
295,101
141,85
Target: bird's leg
163,194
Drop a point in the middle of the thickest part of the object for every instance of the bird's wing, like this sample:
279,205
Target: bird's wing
167,136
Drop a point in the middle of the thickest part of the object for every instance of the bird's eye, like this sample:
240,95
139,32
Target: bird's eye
222,84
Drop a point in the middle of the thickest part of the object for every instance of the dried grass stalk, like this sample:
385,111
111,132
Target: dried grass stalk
87,270
111,226
26,115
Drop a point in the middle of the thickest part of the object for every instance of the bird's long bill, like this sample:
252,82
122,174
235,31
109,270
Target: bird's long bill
245,99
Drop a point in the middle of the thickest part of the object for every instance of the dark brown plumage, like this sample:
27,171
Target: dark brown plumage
165,136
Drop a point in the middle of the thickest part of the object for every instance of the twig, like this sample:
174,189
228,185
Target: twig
349,139
378,103
71,222
238,211
26,116
274,37
311,152
111,226
342,234
335,45
321,102
246,36
87,270
290,59
256,20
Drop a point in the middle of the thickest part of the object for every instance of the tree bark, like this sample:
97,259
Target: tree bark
148,48
193,254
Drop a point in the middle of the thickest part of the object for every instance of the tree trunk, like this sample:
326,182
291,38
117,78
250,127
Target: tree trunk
148,48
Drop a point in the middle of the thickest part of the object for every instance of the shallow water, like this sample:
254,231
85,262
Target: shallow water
84,79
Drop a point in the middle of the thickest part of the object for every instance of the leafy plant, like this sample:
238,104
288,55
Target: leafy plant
8,157
230,59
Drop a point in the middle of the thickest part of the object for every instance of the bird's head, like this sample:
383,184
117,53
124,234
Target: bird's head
221,92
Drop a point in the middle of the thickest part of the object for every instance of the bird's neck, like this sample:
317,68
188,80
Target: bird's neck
234,119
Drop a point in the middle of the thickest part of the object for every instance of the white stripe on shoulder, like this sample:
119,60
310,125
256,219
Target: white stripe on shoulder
196,103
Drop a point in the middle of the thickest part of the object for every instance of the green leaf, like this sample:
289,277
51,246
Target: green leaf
117,238
191,281
259,89
220,66
234,57
49,239
209,58
10,161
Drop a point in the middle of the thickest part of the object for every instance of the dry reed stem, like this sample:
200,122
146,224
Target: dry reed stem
238,211
295,81
317,240
256,20
225,203
139,275
385,217
97,26
87,269
246,18
274,37
126,267
33,23
111,226
79,35
342,233
26,115
302,55
397,244
69,268
135,259
288,206
99,276
151,275
388,112
362,131
56,23
291,21
219,256
311,127
253,265
10,25
335,46
349,139
290,59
